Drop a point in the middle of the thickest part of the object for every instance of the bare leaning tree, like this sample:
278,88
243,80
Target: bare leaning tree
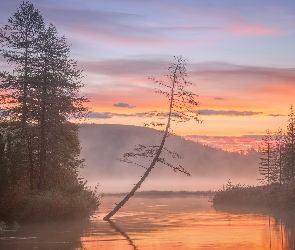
182,104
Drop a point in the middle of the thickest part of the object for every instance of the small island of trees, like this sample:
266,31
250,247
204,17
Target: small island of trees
39,145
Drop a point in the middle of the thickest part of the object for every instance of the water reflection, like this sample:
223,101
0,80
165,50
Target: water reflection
162,223
47,236
286,223
125,235
280,233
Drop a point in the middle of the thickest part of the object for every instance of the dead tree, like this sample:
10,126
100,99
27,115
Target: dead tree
182,104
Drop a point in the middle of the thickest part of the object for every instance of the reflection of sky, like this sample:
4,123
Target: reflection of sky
186,223
241,56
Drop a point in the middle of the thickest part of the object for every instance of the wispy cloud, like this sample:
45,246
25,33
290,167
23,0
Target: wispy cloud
187,28
237,90
98,115
228,112
205,112
108,115
123,105
204,70
126,67
275,115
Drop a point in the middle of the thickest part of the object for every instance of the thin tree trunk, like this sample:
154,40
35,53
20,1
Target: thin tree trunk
31,162
268,163
25,92
280,164
42,134
145,175
153,163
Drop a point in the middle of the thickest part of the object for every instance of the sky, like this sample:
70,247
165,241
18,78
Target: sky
241,58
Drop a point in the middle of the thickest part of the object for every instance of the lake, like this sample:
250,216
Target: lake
160,223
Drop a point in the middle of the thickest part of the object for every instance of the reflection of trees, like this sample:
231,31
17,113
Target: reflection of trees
125,235
47,236
284,222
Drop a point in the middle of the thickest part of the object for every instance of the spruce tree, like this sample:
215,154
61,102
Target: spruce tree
267,158
41,95
289,148
278,155
57,87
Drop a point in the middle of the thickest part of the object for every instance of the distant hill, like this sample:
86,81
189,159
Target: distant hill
102,144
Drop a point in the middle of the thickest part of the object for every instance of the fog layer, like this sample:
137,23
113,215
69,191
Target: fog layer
103,144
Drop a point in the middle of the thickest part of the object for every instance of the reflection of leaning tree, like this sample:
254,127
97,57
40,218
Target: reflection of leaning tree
181,109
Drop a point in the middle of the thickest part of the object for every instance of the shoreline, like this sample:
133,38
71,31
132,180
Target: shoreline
156,193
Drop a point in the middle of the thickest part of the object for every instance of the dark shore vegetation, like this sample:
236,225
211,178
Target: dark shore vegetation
273,196
39,144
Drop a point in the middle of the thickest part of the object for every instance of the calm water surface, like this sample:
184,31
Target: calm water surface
160,223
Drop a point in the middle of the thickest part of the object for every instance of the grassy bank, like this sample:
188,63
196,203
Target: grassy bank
274,195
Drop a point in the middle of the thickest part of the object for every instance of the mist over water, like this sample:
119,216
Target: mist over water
210,168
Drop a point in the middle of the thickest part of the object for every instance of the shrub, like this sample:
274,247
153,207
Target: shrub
274,195
71,202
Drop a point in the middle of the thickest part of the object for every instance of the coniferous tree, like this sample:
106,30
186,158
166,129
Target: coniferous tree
39,145
18,46
289,148
39,97
57,87
18,43
278,155
267,158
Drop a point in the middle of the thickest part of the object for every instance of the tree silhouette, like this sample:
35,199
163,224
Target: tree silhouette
182,104
289,148
267,158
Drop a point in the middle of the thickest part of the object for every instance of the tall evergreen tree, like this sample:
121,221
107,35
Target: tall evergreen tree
267,158
18,43
39,146
40,96
278,155
58,83
289,148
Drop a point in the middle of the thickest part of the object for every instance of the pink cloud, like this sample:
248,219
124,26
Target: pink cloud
241,87
252,30
231,22
150,41
240,26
